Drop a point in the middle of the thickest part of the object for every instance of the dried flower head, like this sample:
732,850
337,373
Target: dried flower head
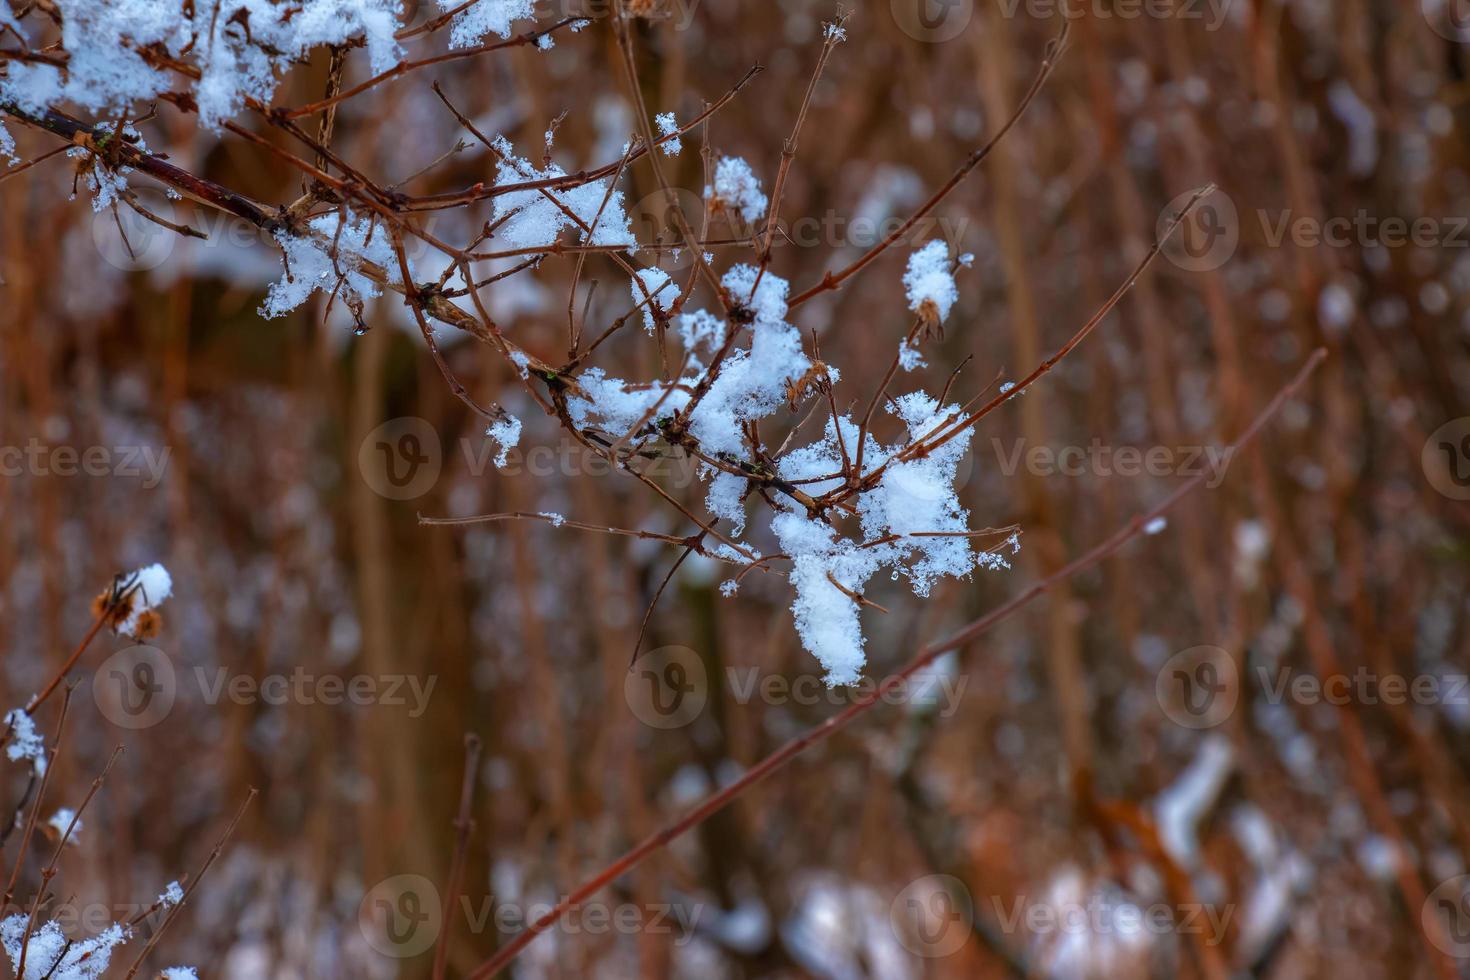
127,606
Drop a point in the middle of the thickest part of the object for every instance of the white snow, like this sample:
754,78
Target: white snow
1095,931
701,329
51,955
752,383
653,288
1180,808
310,265
909,357
929,283
106,183
25,741
532,218
737,189
506,434
668,125
914,502
61,821
146,588
106,72
724,499
172,895
469,27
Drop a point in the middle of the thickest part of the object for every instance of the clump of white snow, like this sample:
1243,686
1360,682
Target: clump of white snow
909,356
50,955
470,26
914,511
667,126
752,383
535,217
25,741
736,190
910,517
701,329
108,182
63,820
329,260
506,434
1090,930
653,289
929,283
172,895
143,590
239,48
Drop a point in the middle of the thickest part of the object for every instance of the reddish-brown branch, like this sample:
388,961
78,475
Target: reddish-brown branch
404,67
214,854
463,824
832,280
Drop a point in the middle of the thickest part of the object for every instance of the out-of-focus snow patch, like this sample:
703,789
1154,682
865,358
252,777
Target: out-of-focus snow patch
1180,808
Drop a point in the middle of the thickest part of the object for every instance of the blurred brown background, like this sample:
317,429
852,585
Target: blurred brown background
1336,546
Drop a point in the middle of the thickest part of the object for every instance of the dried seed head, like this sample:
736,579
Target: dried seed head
816,379
929,315
113,607
148,625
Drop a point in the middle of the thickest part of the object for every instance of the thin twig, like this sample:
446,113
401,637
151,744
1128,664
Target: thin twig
219,847
463,825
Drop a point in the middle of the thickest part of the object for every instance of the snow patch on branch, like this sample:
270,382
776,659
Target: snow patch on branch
311,265
535,217
25,741
469,27
929,283
239,47
50,954
737,190
506,433
656,292
668,125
